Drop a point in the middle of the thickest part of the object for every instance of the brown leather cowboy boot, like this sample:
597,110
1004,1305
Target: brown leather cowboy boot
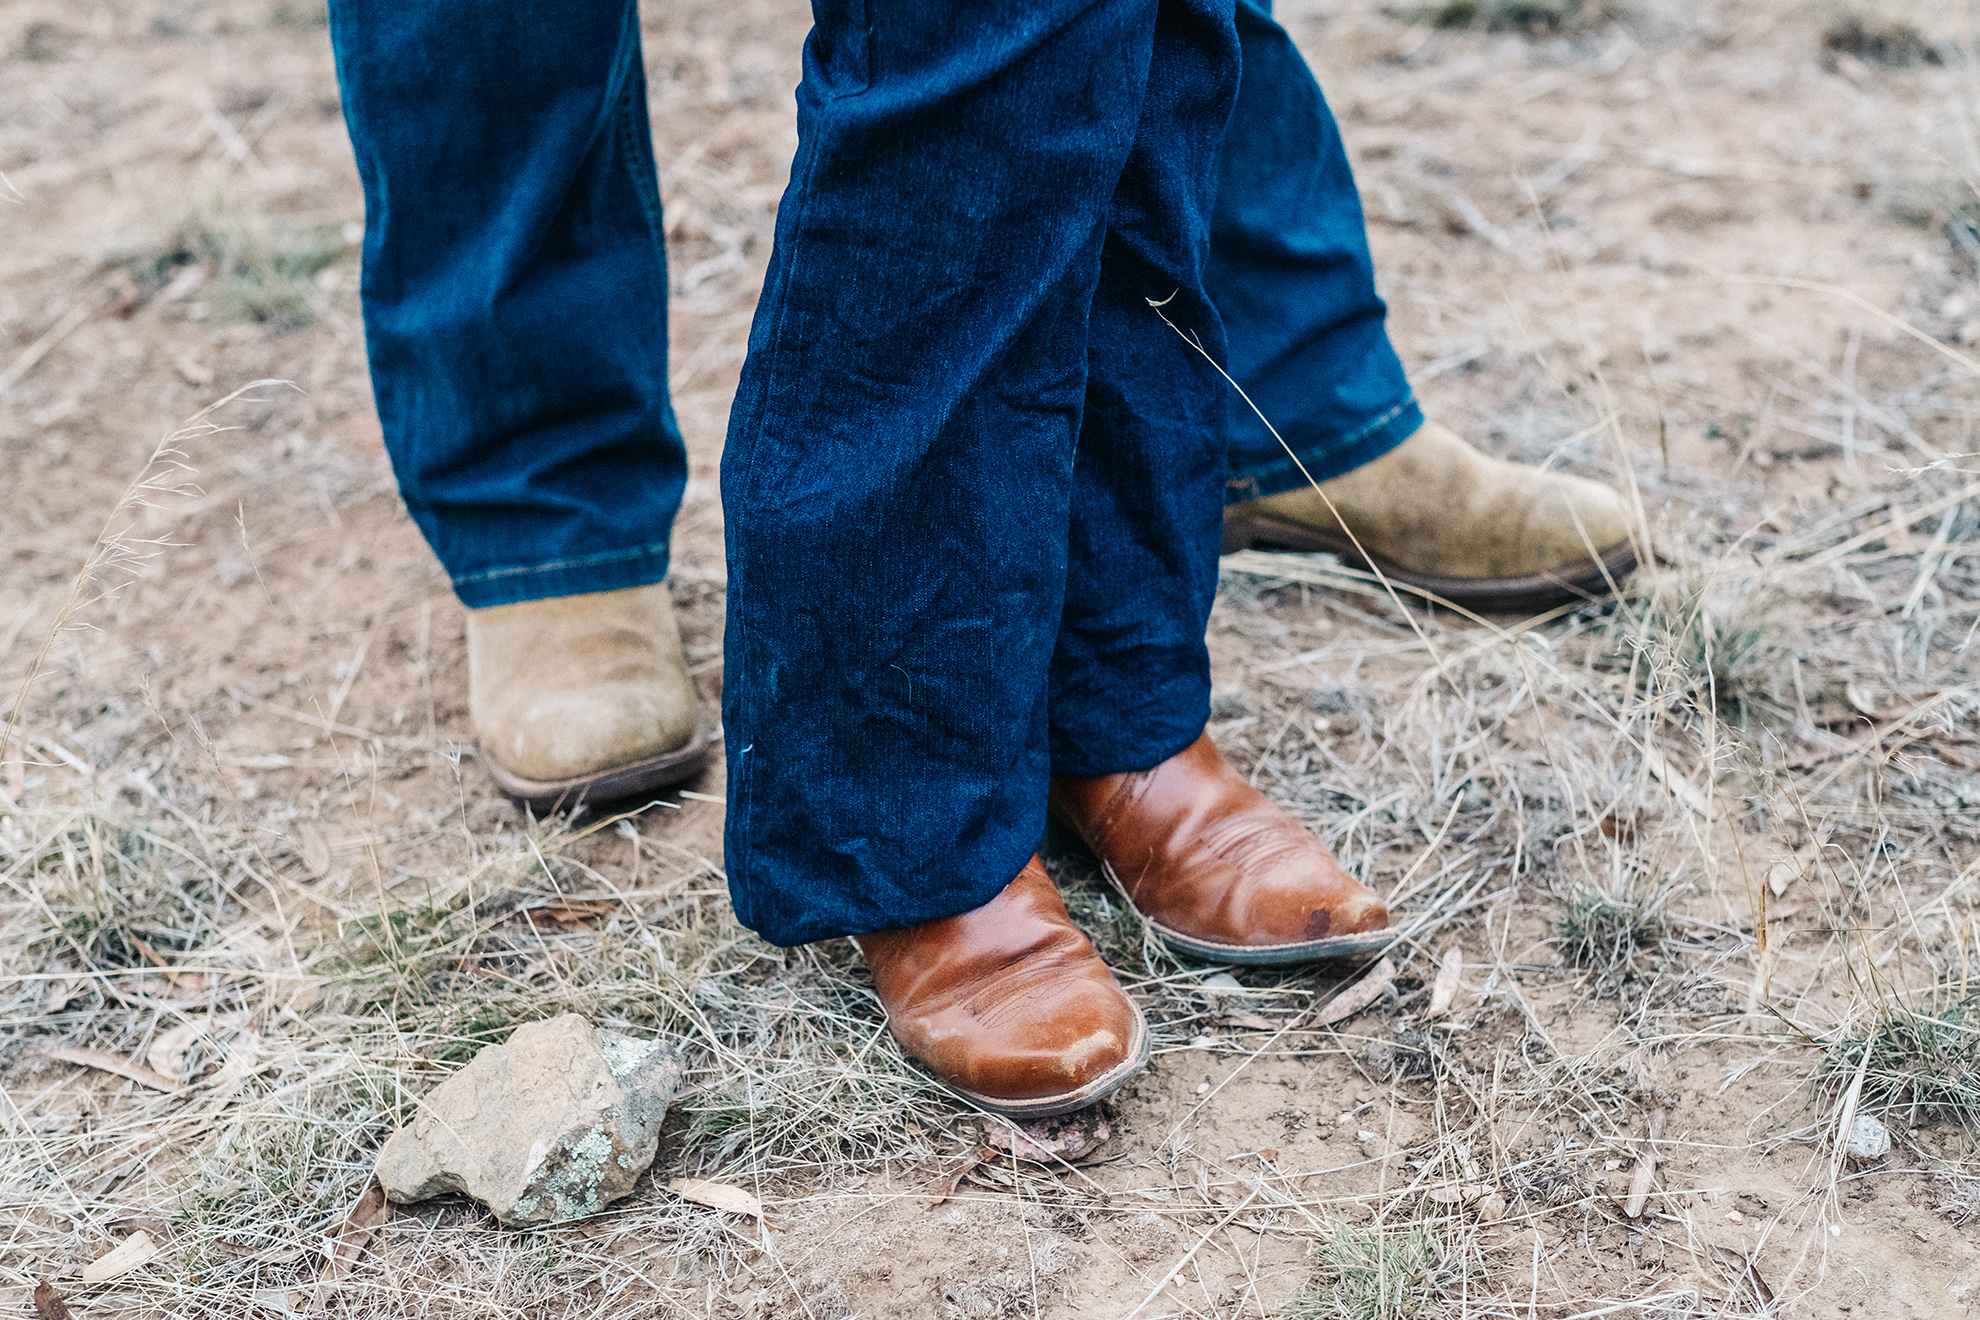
1008,1003
1436,514
585,697
1215,869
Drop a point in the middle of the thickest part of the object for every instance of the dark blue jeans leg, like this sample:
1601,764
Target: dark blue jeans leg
1290,272
515,287
1130,679
899,481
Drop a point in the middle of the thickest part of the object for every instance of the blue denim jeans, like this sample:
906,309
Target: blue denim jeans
515,285
973,484
1291,275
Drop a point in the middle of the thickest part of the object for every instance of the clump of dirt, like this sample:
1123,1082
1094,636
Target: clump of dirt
1535,16
1888,42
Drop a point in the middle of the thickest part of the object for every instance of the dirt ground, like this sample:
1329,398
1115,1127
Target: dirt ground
1707,856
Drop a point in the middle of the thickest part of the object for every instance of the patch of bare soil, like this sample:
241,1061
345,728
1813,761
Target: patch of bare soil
1706,856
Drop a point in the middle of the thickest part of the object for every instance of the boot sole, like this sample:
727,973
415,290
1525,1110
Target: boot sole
1587,580
1048,1106
544,796
1363,946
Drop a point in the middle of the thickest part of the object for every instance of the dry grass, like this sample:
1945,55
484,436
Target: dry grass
1708,850
1399,1272
791,1068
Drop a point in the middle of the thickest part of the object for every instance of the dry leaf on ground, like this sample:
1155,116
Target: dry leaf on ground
110,1063
341,1249
1459,1193
313,847
1444,991
1359,995
726,1197
945,1187
1680,788
167,1055
130,1254
297,994
1646,1168
267,1256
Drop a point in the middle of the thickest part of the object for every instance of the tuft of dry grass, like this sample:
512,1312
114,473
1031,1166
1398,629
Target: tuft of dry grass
317,1040
1917,1056
1392,1271
243,264
1610,924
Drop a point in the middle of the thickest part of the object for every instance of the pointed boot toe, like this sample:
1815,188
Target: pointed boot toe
584,698
1215,869
1436,515
1008,1004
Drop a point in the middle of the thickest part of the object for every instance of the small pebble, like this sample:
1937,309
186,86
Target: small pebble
1868,1139
1364,1135
1202,1087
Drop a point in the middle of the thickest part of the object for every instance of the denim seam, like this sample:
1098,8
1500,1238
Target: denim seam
1294,457
744,791
641,166
1356,437
658,549
743,794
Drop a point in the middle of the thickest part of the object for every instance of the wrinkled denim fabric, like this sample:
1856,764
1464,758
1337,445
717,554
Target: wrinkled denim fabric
973,485
514,285
1291,275
974,481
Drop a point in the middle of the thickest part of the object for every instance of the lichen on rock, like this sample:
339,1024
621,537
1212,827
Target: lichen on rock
555,1123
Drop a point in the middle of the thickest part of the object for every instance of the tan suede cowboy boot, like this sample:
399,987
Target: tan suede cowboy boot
582,698
1436,514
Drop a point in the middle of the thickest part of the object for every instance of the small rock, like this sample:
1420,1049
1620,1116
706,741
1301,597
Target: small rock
554,1124
1220,984
1868,1139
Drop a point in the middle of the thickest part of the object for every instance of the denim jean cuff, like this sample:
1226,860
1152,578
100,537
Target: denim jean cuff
1145,752
1328,457
614,571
